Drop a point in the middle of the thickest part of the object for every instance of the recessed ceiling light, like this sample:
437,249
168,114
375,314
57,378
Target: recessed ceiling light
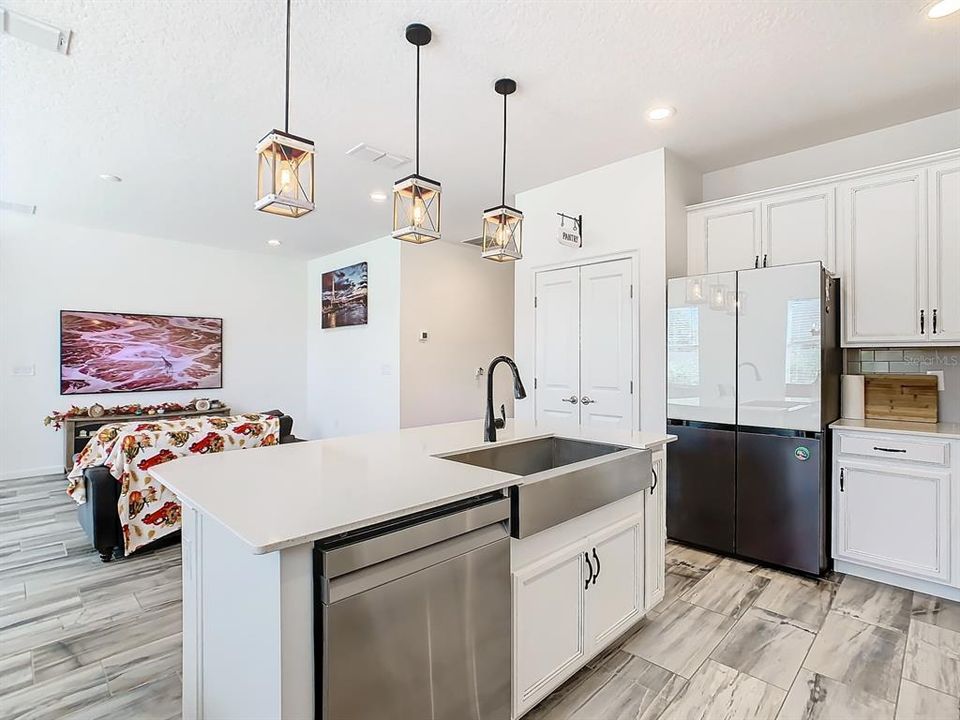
661,113
273,242
943,8
378,196
111,178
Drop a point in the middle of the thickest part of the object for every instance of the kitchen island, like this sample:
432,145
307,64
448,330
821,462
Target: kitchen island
251,521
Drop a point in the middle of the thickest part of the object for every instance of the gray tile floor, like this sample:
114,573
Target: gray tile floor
80,639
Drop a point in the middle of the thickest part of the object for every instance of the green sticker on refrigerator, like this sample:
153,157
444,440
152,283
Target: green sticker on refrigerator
802,453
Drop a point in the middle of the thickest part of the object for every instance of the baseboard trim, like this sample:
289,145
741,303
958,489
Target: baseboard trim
897,580
31,472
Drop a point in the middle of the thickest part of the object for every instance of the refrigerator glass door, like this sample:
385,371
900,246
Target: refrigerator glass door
701,348
779,349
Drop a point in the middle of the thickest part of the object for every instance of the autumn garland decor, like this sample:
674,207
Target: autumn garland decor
56,417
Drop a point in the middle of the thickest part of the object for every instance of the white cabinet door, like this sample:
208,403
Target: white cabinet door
884,259
944,251
723,238
548,623
557,362
606,345
655,533
800,227
893,517
614,597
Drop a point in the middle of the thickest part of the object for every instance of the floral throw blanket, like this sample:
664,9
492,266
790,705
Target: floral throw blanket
148,510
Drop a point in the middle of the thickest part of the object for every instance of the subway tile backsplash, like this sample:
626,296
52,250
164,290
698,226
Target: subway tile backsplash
913,360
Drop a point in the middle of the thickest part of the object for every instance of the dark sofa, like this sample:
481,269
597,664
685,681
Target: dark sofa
98,515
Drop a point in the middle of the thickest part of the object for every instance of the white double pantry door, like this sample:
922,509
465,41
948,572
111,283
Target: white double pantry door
585,346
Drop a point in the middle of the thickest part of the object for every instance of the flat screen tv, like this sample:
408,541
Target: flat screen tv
124,352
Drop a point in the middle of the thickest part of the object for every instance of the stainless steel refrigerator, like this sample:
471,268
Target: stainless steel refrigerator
753,381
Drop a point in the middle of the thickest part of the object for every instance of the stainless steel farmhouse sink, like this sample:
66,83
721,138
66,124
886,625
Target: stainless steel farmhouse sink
561,478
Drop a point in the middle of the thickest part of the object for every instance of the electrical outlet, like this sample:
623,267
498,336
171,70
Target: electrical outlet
940,383
423,336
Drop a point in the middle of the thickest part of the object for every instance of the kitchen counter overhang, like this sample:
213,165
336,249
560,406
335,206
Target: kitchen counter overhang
283,496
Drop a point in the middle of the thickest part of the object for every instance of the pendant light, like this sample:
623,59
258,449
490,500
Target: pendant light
416,199
285,172
503,225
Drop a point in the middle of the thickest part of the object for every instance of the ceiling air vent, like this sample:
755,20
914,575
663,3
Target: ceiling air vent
35,31
377,156
18,207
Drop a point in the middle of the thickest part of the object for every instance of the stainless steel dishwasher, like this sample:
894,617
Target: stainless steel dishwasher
412,617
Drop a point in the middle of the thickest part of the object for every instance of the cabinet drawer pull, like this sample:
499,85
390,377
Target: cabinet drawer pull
921,322
841,479
756,261
934,321
764,259
590,566
655,479
597,559
883,449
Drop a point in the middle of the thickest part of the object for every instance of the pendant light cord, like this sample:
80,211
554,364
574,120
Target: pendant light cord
286,107
503,178
418,109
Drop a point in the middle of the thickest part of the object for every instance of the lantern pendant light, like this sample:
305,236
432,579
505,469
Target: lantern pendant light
503,225
416,199
285,172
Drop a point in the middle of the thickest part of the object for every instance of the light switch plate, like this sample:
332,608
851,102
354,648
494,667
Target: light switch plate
23,370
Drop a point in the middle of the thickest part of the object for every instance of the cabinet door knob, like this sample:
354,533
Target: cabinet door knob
572,399
587,401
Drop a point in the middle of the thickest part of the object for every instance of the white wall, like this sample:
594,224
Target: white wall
353,373
623,207
465,303
46,267
900,142
682,187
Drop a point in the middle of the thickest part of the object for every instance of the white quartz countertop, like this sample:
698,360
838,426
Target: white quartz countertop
285,495
949,431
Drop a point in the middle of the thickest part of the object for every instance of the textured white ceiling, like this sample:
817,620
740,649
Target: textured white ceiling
173,96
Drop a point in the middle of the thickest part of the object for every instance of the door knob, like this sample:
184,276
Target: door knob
572,399
586,401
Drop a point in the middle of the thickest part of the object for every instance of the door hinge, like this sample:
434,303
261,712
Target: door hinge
631,387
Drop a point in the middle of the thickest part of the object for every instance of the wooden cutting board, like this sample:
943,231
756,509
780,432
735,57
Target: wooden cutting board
910,398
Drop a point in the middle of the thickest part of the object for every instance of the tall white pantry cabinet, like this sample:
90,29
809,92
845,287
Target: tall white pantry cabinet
891,233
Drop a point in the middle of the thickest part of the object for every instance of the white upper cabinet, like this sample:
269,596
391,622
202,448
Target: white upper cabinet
943,243
884,282
723,238
891,233
799,227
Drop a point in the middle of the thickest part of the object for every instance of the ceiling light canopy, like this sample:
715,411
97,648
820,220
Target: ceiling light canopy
378,196
416,199
503,225
943,8
661,113
285,163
